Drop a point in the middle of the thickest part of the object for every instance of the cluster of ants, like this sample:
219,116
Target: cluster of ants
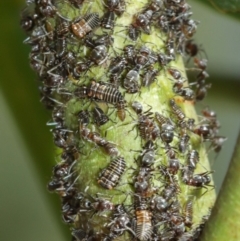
64,54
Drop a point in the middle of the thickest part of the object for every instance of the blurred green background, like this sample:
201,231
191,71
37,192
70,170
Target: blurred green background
27,210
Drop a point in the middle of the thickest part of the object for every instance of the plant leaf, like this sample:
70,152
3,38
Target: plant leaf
227,7
20,91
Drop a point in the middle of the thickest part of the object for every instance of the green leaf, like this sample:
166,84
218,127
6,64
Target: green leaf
19,88
227,7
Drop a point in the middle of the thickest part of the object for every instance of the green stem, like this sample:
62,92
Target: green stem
224,223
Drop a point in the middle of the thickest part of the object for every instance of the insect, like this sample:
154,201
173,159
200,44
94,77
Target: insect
81,92
183,142
121,113
98,55
137,107
143,226
170,151
62,27
108,20
64,187
148,154
199,180
69,155
120,223
173,166
109,147
176,110
130,82
129,53
83,118
28,19
189,27
205,131
201,63
170,190
155,5
99,117
159,203
170,45
217,142
81,67
101,204
209,114
104,39
76,3
176,74
113,7
147,128
164,59
63,169
149,76
144,57
110,176
81,27
62,137
192,159
143,20
167,132
46,8
133,32
166,126
188,94
70,207
192,49
104,93
117,65
188,213
161,119
142,185
201,91
53,81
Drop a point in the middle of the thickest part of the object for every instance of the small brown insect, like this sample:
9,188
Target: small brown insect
183,142
101,205
144,226
217,142
188,213
176,110
129,53
199,180
121,113
148,154
104,93
201,63
76,3
130,82
110,176
205,131
99,117
167,132
148,129
143,20
98,55
81,27
209,114
173,166
109,147
119,224
201,91
192,159
117,66
149,76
